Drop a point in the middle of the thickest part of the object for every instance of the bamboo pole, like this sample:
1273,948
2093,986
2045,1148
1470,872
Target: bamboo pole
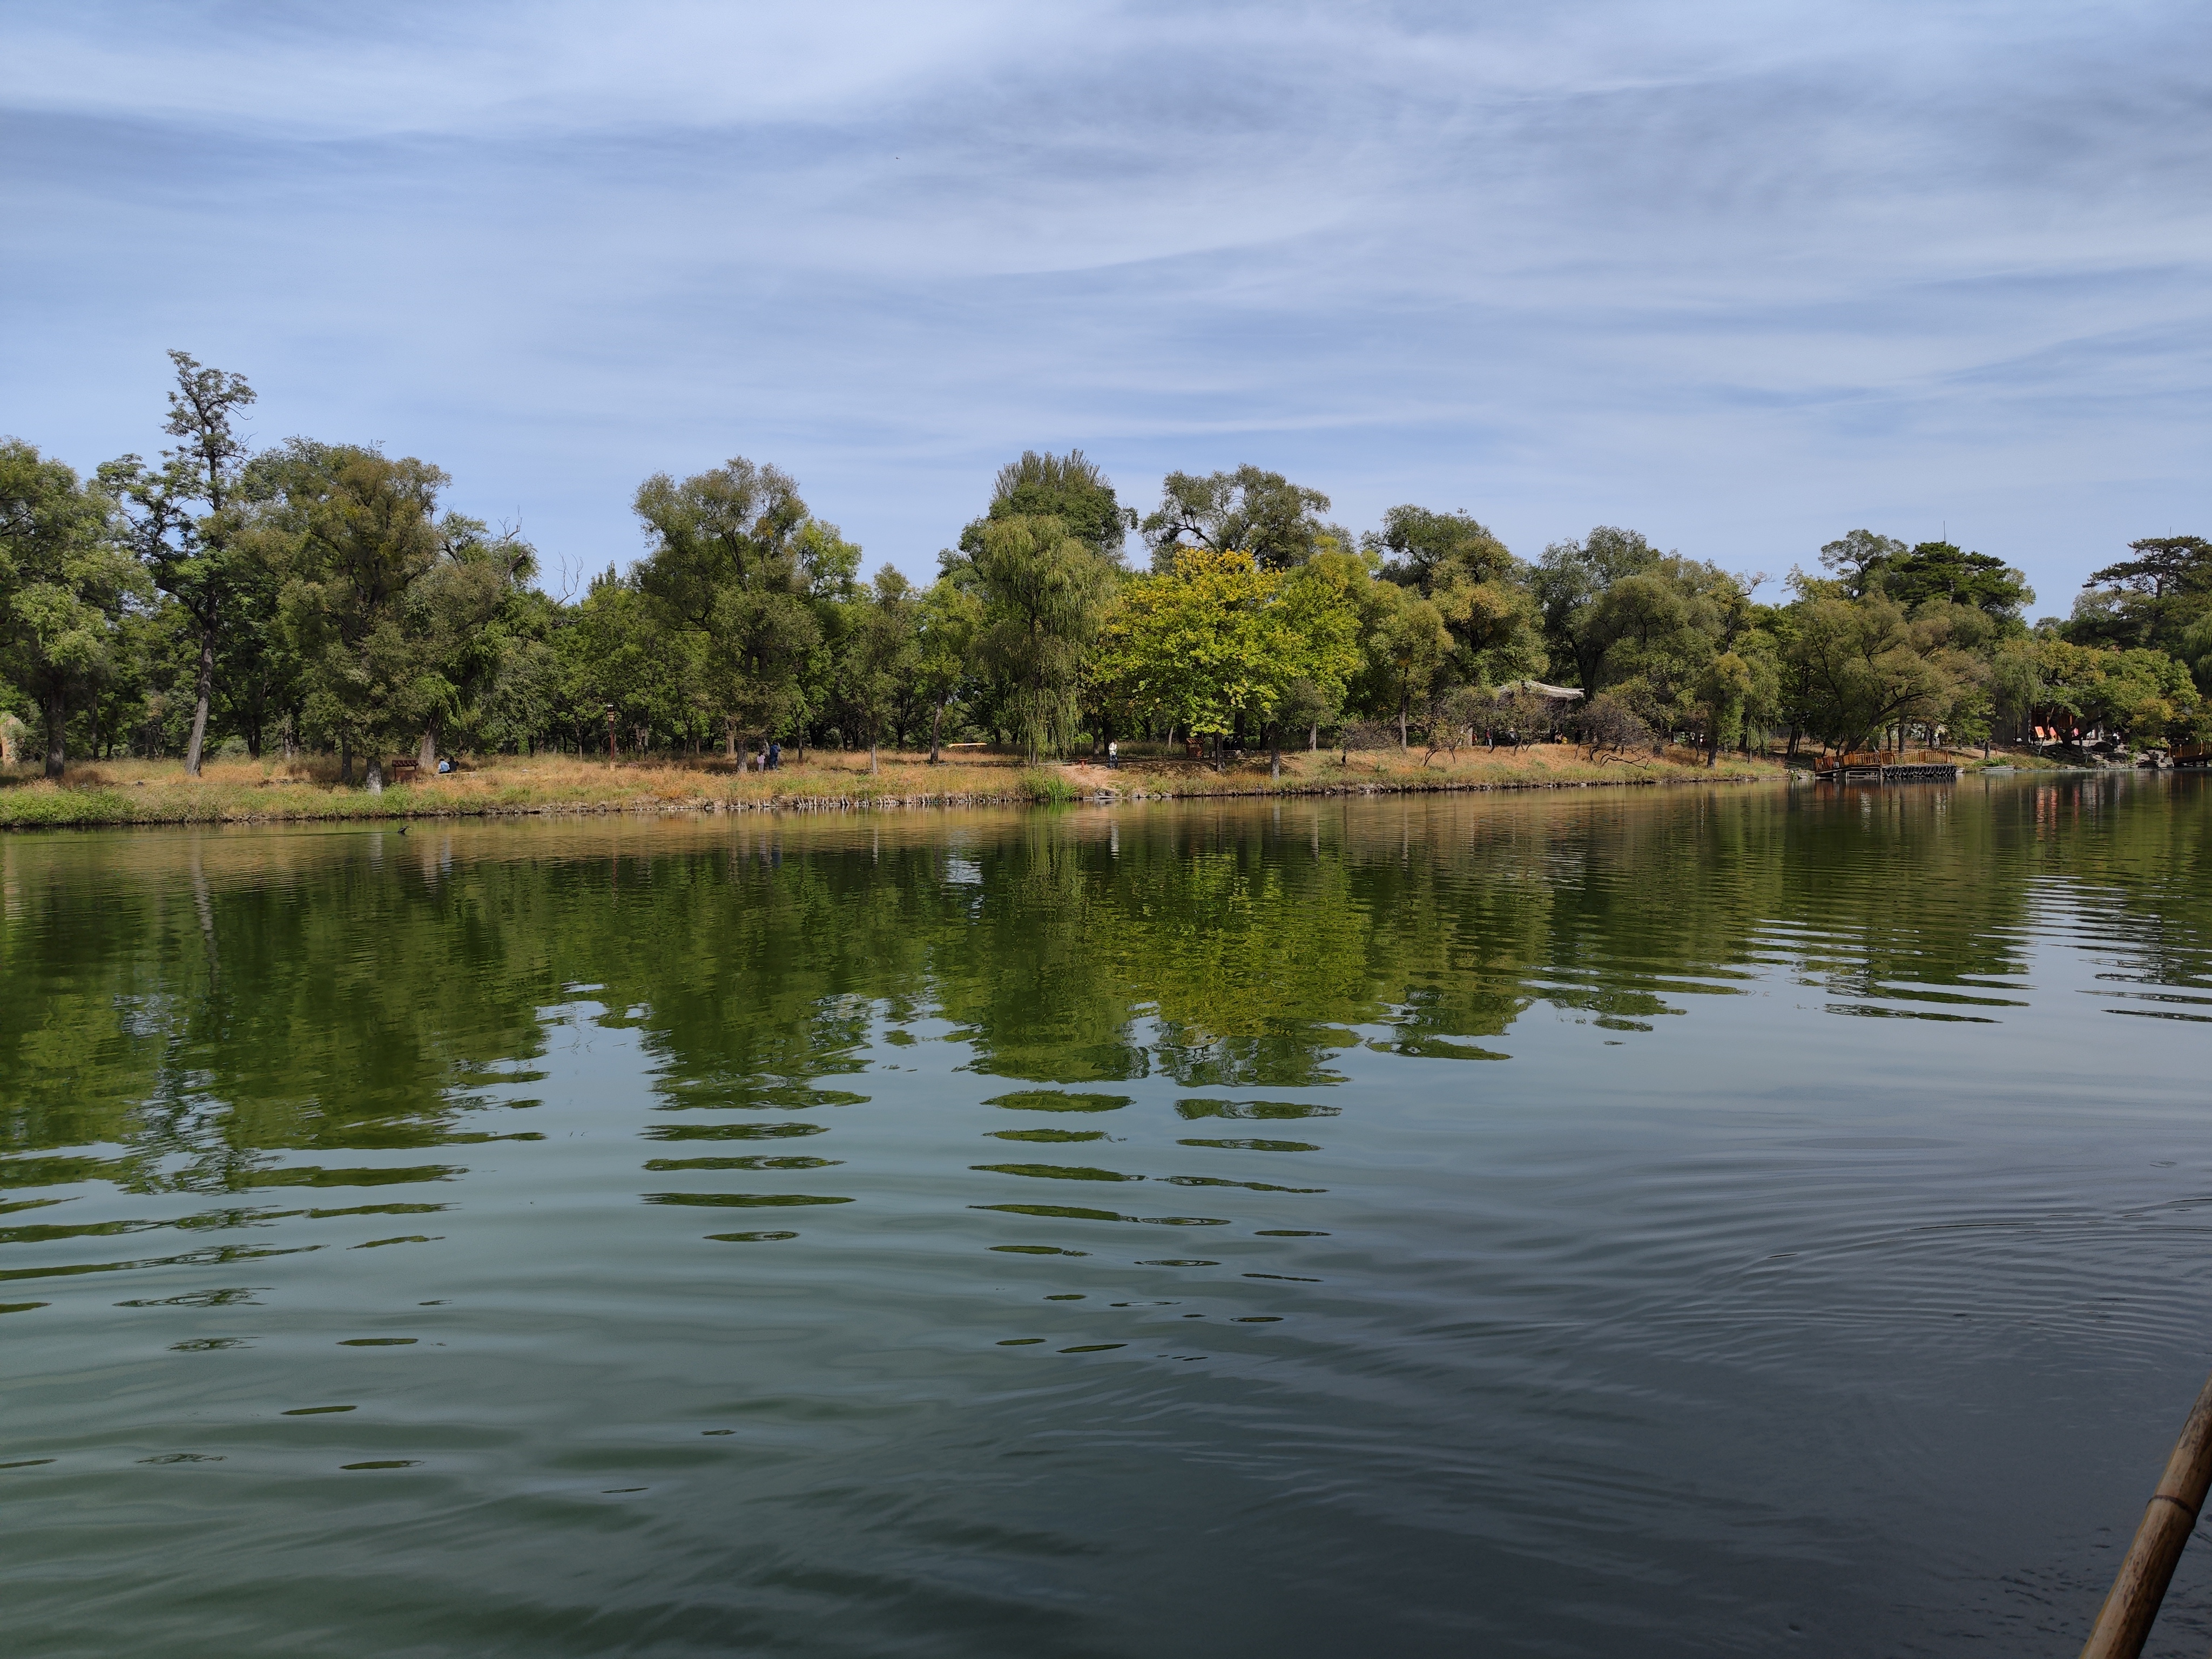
2132,1607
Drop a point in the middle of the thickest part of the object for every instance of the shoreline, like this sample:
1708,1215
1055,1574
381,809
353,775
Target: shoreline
137,794
101,801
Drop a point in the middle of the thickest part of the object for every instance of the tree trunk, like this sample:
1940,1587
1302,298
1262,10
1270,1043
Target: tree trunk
345,761
56,710
1401,722
729,738
936,732
1313,737
202,695
1274,754
376,773
426,753
872,757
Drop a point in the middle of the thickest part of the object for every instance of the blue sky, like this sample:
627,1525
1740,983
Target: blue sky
1740,277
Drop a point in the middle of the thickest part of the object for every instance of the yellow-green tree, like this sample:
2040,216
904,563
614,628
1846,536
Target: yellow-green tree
1321,606
949,618
1212,641
1406,644
1200,643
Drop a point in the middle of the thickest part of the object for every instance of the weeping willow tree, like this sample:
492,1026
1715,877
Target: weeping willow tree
1042,564
1044,593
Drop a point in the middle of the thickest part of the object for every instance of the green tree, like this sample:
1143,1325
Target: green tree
1320,605
949,619
1650,633
2139,693
1481,591
1940,571
623,671
1858,558
1764,707
1724,684
1070,488
2153,600
879,656
1043,593
2194,648
1869,667
1249,511
830,573
195,555
363,529
131,681
522,700
451,618
733,564
1568,581
1406,644
2016,682
1424,548
65,578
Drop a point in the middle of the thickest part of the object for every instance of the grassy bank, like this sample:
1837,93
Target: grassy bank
236,792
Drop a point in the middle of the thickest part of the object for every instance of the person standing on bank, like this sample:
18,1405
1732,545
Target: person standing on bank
1113,754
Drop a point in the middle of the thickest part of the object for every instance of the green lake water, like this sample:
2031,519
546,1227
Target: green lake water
1633,1222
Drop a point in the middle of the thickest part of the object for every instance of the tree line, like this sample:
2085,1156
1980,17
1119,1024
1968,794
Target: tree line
317,597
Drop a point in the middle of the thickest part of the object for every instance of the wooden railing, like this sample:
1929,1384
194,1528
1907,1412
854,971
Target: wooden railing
1867,757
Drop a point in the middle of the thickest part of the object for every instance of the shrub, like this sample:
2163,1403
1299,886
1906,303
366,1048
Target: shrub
1606,722
1452,719
1052,787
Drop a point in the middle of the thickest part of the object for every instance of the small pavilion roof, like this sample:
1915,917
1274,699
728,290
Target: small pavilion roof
1553,693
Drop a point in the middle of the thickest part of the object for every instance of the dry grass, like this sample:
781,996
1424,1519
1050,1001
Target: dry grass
242,791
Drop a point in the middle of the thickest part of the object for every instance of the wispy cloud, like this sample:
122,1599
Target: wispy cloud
1743,276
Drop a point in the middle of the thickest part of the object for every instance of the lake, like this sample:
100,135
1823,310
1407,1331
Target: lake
1661,1221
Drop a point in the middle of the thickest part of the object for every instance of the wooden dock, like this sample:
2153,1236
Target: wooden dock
1885,766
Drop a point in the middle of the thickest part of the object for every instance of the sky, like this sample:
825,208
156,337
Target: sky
1740,277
